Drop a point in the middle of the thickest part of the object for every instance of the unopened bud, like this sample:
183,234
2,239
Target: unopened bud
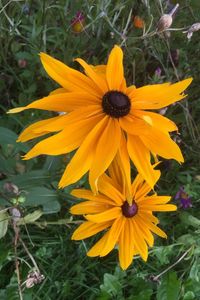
164,23
166,20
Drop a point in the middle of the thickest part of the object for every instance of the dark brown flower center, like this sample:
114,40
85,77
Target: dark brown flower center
129,210
116,104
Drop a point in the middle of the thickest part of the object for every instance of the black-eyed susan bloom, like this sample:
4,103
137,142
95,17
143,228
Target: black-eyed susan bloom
100,109
128,225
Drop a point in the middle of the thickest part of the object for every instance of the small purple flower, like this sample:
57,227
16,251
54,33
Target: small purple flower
158,72
184,198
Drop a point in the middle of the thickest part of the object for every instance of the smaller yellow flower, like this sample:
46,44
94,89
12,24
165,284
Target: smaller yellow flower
129,226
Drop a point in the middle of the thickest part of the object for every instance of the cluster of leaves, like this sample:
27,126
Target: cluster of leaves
28,27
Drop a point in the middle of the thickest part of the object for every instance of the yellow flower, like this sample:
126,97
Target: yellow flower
130,227
101,114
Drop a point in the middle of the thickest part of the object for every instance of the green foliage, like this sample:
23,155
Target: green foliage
169,288
45,226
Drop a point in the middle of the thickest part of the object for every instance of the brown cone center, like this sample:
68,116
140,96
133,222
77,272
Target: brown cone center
129,210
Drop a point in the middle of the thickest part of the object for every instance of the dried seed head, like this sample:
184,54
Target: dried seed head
164,23
33,278
193,28
11,188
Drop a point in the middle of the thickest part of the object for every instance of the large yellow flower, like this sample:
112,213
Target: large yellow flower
101,111
130,226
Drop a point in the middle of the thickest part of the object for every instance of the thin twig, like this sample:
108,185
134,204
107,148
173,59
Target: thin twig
16,230
155,278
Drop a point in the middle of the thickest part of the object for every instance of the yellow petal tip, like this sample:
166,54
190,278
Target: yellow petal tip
16,110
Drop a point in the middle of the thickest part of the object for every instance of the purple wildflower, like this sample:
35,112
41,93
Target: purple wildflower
158,72
184,198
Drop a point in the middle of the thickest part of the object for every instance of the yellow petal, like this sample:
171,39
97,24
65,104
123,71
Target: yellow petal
147,215
153,227
142,190
143,229
155,200
139,241
97,248
58,91
156,120
98,80
161,144
35,130
113,235
86,194
88,229
124,164
67,77
126,245
134,125
159,95
82,160
137,184
64,102
89,207
65,141
54,145
164,207
106,150
109,214
106,188
115,69
115,174
90,115
140,156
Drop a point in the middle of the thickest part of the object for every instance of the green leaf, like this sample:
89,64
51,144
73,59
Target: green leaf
45,197
169,288
111,285
163,254
7,136
189,220
4,217
6,165
189,296
30,179
143,295
195,272
30,218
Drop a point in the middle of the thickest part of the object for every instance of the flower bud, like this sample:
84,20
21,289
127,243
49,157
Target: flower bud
138,22
164,23
22,63
166,20
77,23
